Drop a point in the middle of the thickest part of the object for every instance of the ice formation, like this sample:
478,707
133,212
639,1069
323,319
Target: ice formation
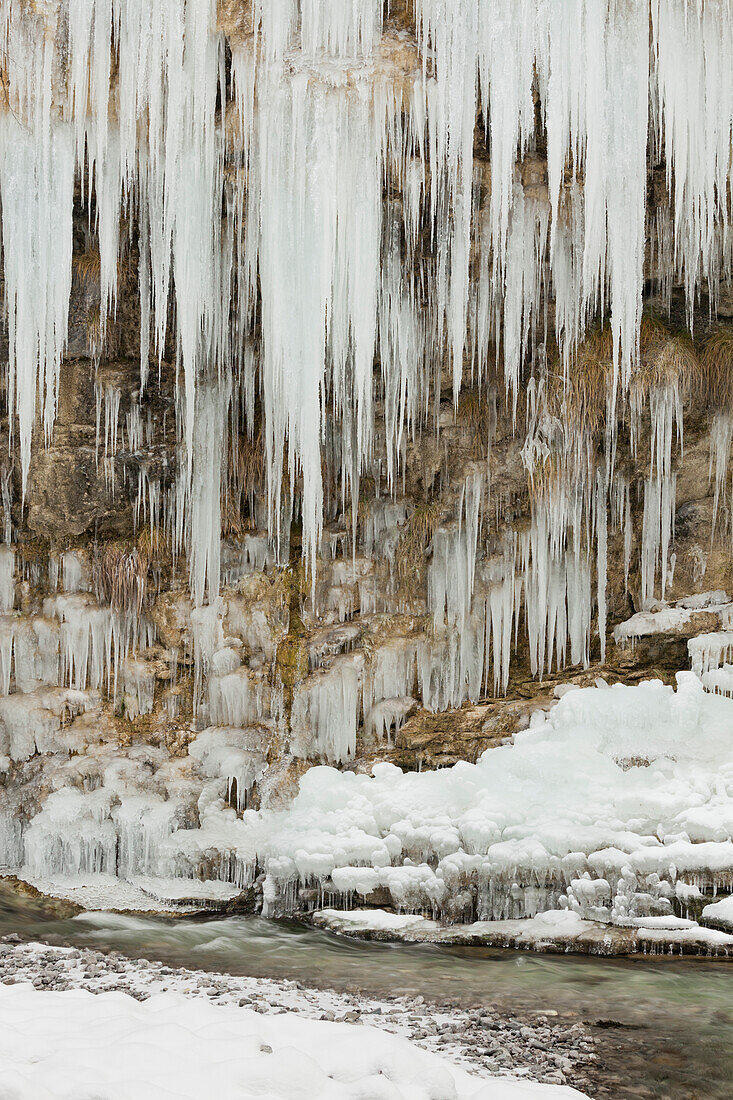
605,807
256,186
616,806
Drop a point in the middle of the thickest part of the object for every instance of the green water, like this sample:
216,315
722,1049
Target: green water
677,1040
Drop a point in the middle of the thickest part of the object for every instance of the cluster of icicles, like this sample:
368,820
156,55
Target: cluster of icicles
251,168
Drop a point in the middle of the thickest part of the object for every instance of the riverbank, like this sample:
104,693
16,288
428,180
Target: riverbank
662,1027
538,1047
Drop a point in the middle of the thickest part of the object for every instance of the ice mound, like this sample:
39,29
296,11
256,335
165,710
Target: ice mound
601,808
615,807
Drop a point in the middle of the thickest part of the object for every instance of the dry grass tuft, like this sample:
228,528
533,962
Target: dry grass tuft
154,545
477,411
667,359
88,267
545,480
581,401
233,524
120,578
413,544
716,368
247,463
245,478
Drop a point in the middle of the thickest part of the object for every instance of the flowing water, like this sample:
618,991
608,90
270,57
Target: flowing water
664,1025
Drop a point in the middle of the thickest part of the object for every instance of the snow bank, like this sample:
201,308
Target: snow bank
683,619
110,1046
644,623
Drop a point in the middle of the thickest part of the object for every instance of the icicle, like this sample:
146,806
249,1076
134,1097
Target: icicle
693,81
721,435
453,566
112,399
601,524
660,492
709,652
37,190
203,509
341,29
326,709
500,615
657,534
7,578
6,494
319,162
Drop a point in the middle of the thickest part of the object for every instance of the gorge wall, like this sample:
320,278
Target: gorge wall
369,366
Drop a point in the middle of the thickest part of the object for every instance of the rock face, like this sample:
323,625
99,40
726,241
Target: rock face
175,633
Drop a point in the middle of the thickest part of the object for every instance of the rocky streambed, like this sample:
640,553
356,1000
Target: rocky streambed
538,1046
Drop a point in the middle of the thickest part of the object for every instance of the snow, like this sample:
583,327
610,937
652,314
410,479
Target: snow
377,919
720,911
613,806
100,892
175,892
704,940
645,623
681,619
73,1043
703,600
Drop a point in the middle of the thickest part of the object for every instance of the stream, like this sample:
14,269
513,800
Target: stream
664,1025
